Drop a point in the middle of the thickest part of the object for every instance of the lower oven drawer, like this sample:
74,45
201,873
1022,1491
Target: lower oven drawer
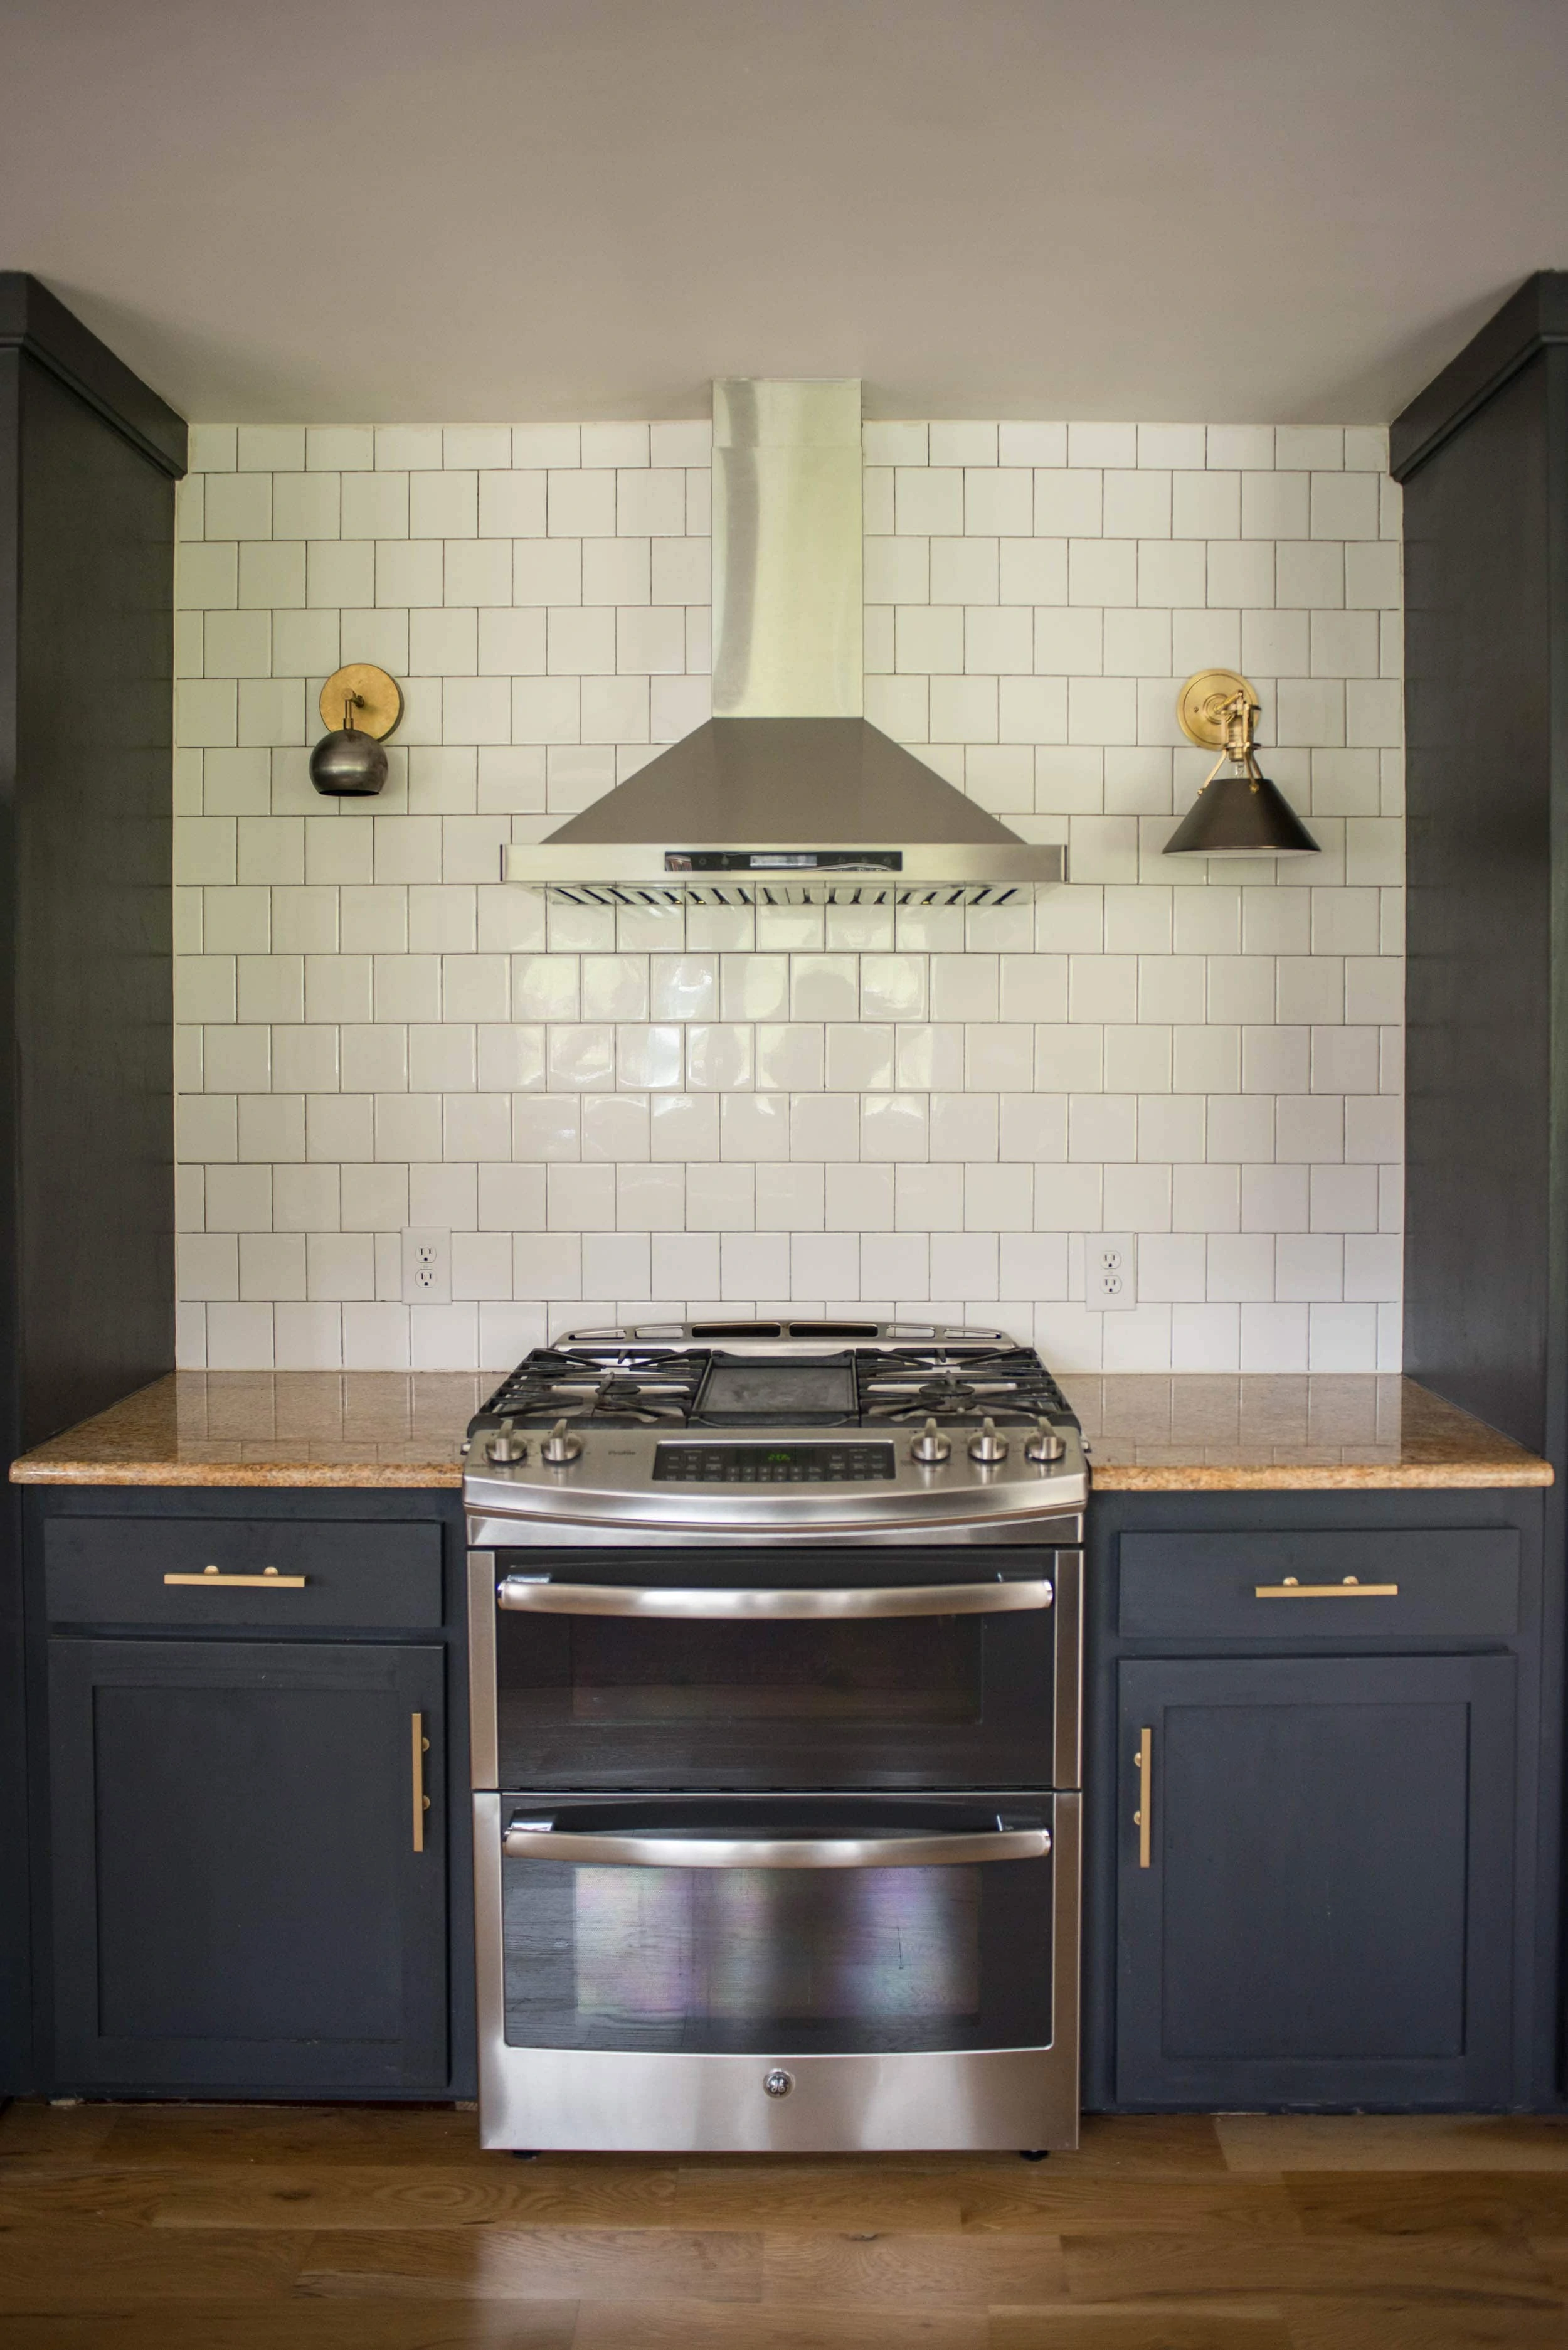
833,1669
778,1972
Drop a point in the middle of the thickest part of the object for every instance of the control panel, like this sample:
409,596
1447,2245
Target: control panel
771,1464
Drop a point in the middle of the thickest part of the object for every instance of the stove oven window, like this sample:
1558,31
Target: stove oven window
615,1672
739,1960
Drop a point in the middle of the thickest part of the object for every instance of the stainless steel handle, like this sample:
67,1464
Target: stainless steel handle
1348,1588
269,1579
519,1593
533,1840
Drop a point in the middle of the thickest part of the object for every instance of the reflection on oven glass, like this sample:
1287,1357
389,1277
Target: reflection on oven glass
910,1670
842,1962
776,1946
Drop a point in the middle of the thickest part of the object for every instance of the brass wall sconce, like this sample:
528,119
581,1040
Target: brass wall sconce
1242,814
361,705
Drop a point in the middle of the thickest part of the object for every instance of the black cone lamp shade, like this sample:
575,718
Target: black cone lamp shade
1242,814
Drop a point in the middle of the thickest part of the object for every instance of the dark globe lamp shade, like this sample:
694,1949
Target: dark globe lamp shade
1241,816
347,765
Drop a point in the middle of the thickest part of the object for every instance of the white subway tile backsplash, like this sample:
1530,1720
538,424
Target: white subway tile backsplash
912,1110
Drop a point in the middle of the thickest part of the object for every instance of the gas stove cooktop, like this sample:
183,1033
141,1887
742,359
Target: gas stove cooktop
646,1426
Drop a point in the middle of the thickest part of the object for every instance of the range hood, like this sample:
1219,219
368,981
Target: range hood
787,796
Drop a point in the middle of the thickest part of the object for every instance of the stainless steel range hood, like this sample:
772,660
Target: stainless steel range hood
787,796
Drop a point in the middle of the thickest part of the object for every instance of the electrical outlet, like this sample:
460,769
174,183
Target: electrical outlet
427,1268
1110,1272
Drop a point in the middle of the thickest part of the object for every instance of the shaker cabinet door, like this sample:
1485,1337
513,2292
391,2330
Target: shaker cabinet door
249,1890
1316,1907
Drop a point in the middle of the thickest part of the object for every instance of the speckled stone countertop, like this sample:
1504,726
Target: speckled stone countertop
1148,1434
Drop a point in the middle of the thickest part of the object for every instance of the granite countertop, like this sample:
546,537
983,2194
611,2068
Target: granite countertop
1148,1434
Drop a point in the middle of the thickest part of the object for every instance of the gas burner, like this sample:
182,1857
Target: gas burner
615,1383
1009,1384
936,1399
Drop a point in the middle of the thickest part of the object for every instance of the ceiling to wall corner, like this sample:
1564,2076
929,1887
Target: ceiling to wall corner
504,209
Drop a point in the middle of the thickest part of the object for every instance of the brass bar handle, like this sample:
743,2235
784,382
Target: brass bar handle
421,1747
1349,1588
1143,1818
269,1579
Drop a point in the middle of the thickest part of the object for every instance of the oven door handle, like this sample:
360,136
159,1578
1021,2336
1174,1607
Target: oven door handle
539,1597
536,1840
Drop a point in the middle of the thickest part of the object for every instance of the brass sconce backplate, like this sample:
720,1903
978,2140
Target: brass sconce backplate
1201,704
377,700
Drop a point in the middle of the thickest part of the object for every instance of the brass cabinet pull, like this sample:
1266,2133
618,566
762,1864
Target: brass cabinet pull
269,1579
1349,1588
1143,1818
421,1747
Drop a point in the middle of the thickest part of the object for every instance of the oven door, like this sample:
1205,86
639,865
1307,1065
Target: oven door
754,1669
777,1972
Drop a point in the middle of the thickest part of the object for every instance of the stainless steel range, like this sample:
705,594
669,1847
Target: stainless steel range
776,1700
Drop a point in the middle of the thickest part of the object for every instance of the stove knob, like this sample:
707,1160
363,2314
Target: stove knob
506,1448
985,1446
930,1447
561,1448
1045,1445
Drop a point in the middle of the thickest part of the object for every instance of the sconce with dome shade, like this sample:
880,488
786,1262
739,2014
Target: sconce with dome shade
1242,814
361,705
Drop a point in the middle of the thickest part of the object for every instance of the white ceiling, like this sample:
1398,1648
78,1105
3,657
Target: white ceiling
381,210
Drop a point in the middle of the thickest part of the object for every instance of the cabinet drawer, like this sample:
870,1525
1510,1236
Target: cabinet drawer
1284,1586
118,1571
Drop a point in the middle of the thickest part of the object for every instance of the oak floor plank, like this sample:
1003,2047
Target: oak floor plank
1421,2203
183,2135
922,2270
1324,2323
32,2128
1178,2145
1392,2141
73,2267
34,2195
1067,2201
694,2325
1106,2267
1195,2326
538,2263
488,2192
305,2325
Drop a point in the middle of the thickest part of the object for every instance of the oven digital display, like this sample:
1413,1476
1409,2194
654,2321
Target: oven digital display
778,1390
771,1464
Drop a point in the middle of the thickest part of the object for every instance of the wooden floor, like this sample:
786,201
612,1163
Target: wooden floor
309,2228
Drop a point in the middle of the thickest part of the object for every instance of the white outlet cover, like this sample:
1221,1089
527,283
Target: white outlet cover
427,1268
1110,1272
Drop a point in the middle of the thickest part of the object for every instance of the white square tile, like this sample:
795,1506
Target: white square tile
651,502
1032,444
1103,571
1137,505
999,500
443,505
1102,444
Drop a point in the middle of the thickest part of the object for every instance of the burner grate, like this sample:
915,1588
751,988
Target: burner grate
631,1385
619,1384
1008,1384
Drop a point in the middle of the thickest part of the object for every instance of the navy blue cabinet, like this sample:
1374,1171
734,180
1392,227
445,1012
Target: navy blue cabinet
250,1728
1321,1911
1338,1715
249,1855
